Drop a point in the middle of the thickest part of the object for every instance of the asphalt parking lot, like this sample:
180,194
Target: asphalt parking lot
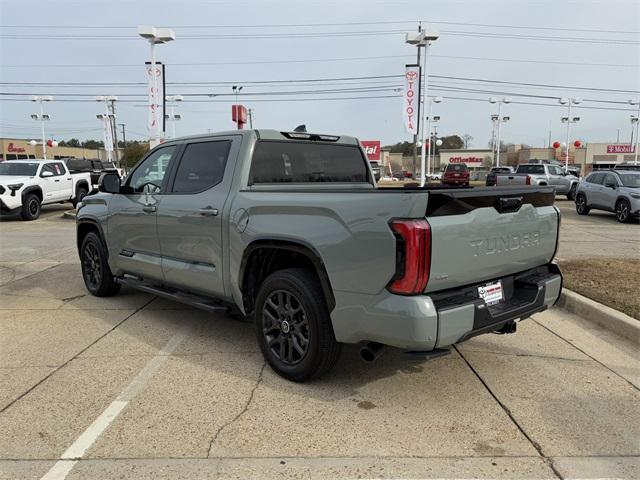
138,387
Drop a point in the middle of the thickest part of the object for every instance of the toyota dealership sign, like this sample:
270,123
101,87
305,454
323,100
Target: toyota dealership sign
411,98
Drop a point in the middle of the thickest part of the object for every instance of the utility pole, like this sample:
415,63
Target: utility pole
124,142
114,128
250,111
635,120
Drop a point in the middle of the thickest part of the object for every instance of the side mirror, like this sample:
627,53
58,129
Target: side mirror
46,174
109,182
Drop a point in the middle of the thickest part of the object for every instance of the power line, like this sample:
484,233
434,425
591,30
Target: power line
320,60
334,24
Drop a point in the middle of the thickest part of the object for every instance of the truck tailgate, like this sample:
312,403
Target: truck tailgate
477,236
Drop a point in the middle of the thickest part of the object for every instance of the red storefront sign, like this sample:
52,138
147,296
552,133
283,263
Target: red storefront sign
621,149
466,160
239,115
372,148
13,149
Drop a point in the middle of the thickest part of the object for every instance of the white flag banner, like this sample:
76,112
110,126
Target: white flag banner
155,122
108,133
411,98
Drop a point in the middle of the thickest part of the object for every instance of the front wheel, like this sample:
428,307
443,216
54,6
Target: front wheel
293,325
581,205
95,270
572,192
30,207
623,211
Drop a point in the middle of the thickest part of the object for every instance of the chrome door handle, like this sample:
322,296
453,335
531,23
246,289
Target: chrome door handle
57,180
209,212
149,208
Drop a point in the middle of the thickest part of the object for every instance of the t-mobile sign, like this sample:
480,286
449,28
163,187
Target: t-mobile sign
372,148
621,149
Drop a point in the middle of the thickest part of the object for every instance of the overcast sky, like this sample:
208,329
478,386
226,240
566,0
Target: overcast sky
243,45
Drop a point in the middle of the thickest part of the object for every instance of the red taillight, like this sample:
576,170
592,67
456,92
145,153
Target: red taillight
413,256
528,181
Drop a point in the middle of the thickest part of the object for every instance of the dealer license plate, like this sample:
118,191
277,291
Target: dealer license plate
491,293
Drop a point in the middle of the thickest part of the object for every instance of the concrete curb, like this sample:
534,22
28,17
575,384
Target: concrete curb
606,317
70,214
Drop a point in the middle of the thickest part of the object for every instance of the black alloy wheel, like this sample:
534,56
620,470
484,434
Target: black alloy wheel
95,269
293,325
285,327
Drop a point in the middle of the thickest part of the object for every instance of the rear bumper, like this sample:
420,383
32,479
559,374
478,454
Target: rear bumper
442,319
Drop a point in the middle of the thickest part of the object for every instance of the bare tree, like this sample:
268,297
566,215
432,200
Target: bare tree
467,139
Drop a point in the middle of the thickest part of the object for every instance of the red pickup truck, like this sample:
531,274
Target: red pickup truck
456,174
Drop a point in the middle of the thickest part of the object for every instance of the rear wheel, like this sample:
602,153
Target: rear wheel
581,205
95,270
80,194
572,192
30,207
623,211
293,325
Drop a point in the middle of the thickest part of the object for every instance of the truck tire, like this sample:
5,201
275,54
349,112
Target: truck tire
95,270
81,192
623,211
581,205
572,192
30,207
293,325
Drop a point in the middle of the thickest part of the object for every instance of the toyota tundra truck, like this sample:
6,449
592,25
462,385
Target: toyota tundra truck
290,231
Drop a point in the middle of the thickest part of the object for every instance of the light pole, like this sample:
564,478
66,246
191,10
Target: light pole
110,117
637,123
107,119
498,120
155,36
569,120
422,39
435,119
42,117
173,116
429,118
124,148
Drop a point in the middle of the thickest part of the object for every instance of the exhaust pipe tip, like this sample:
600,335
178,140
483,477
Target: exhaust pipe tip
371,351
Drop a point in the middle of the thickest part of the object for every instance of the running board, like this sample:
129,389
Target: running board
196,301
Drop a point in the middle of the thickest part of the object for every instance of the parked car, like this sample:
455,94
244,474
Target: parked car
26,185
436,176
491,176
615,191
456,174
290,230
375,168
94,167
542,174
627,166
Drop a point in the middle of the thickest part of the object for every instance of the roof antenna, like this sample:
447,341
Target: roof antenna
301,129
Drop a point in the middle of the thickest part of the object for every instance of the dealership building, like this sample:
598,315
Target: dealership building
18,149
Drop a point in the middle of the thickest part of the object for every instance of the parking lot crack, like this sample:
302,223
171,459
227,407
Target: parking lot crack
536,445
242,412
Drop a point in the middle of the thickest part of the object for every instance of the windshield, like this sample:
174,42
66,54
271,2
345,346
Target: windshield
458,167
22,169
531,169
630,179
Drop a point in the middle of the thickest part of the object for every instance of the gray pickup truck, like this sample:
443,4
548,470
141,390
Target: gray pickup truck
289,230
542,174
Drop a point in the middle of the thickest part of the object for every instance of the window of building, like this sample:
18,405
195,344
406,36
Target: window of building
201,166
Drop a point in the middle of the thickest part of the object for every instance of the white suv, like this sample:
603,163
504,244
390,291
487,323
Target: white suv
26,185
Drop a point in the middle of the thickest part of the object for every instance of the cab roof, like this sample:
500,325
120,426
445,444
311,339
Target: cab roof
270,134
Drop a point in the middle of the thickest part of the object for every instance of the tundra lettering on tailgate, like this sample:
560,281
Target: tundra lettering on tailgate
506,243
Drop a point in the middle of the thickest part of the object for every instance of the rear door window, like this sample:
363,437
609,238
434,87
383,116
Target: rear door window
307,162
535,169
201,166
